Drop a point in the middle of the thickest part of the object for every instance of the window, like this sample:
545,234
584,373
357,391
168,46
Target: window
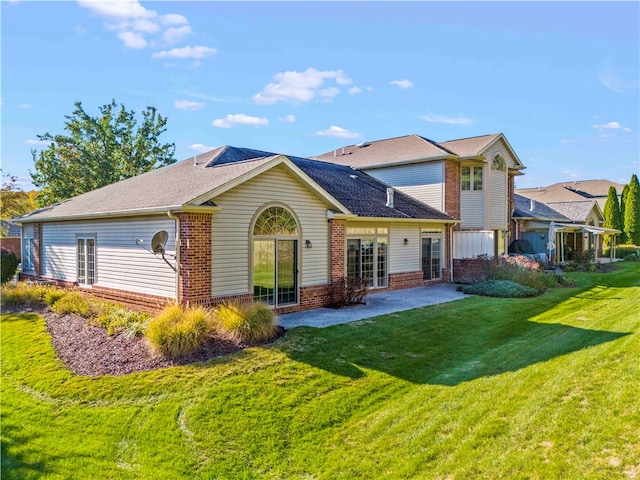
275,257
367,254
86,258
28,252
471,178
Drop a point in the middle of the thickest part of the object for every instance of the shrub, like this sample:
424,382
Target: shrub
247,322
176,331
52,295
499,288
119,319
72,302
23,294
8,265
348,291
626,252
518,269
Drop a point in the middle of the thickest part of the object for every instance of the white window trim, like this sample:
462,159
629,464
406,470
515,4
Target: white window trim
85,283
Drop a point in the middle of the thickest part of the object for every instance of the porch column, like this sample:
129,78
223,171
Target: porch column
195,258
337,231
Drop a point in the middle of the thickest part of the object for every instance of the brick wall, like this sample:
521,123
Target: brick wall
337,231
404,280
13,244
452,190
195,258
468,270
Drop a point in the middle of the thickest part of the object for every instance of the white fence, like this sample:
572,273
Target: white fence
472,244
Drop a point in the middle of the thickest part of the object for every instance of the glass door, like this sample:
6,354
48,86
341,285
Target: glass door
431,267
275,271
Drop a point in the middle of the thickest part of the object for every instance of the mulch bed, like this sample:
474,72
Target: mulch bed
88,350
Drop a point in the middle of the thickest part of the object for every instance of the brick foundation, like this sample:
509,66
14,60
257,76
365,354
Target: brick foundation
404,280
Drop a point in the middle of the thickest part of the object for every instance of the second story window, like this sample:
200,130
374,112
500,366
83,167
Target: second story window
471,178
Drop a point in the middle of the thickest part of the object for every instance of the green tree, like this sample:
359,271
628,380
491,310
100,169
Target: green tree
622,240
98,151
14,201
632,212
612,217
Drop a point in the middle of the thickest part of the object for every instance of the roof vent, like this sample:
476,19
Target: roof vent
532,206
353,176
390,192
342,150
195,162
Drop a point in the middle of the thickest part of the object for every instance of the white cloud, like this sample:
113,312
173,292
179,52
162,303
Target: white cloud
175,34
234,120
461,121
610,80
354,90
132,40
611,126
199,147
134,23
37,143
403,84
22,106
568,140
337,132
300,87
198,51
288,118
188,105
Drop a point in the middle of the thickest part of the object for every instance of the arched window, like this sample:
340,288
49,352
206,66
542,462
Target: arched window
275,256
275,220
499,163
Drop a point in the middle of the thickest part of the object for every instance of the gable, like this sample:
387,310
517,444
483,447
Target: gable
501,147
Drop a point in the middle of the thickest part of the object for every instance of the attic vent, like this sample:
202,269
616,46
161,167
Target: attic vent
532,206
390,192
353,176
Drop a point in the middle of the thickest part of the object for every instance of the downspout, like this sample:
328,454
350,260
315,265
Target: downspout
173,216
451,253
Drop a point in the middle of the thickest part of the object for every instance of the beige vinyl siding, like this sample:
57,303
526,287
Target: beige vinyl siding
498,199
120,263
424,181
472,208
500,148
231,237
404,258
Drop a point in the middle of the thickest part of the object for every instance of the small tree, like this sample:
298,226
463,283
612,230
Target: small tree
612,217
9,265
13,201
632,212
623,201
98,151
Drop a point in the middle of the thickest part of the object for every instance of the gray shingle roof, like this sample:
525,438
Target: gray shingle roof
470,147
541,211
576,211
187,182
11,229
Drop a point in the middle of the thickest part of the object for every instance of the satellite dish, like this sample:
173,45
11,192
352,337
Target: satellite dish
158,241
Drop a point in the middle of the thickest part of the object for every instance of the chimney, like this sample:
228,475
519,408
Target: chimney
342,150
335,152
390,192
532,207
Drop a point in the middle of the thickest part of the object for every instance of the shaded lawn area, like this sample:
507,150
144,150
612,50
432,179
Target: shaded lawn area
543,387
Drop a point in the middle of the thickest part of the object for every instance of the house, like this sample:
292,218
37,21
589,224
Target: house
576,225
238,224
471,179
10,238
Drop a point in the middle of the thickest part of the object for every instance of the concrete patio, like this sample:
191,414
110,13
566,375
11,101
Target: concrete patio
377,304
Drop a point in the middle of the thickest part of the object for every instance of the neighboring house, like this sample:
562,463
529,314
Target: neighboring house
471,179
10,237
577,225
242,224
576,191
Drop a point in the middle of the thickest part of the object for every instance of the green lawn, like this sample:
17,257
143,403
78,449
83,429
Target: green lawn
535,388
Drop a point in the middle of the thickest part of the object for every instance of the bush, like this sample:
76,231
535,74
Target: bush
23,294
119,319
8,265
626,252
247,322
348,291
176,331
499,288
52,295
72,302
518,269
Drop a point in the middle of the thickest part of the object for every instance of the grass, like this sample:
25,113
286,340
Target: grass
536,388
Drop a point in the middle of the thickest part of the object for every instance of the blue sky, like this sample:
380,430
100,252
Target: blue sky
560,80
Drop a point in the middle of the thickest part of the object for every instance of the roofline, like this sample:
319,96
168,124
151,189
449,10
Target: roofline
126,213
455,158
357,218
511,151
278,159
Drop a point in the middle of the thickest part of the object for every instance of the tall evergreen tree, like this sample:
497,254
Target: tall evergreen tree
612,217
632,212
622,240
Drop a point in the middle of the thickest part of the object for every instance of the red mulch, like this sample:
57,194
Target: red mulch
88,350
